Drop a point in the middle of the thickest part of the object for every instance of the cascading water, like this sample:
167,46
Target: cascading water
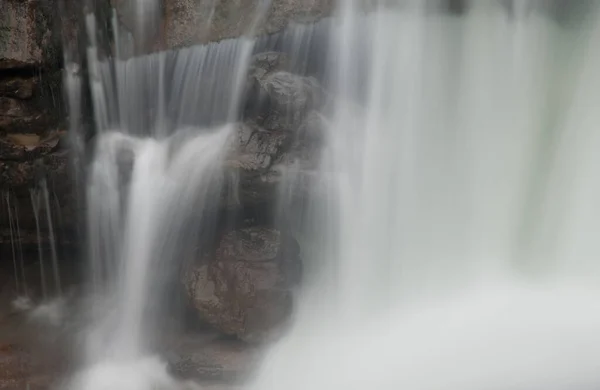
451,240
463,249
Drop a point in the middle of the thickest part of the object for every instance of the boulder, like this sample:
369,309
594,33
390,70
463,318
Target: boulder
280,100
256,148
263,63
208,357
250,165
245,287
290,92
23,116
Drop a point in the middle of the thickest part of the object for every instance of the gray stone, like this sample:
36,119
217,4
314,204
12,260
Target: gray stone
14,174
245,288
189,22
267,62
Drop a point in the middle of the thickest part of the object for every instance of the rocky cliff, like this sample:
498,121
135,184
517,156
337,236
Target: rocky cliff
32,118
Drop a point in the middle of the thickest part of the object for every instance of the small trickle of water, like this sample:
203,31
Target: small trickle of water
36,207
51,237
16,245
40,202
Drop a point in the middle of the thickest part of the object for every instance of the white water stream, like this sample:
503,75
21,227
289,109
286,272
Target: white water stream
458,245
463,251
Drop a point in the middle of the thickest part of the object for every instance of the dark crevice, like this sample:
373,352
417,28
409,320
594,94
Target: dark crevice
25,72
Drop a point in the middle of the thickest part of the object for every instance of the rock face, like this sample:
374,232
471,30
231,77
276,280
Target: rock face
26,38
32,136
30,86
189,22
181,23
246,289
281,127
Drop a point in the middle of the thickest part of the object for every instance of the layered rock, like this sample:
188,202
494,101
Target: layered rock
30,92
189,22
32,135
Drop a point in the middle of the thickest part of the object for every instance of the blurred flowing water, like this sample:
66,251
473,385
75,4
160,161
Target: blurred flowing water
460,218
451,238
163,124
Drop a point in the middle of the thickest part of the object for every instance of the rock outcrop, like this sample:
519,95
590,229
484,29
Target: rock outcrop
33,147
281,127
246,289
172,24
30,88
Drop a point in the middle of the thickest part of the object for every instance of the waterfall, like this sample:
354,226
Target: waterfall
164,125
450,228
460,206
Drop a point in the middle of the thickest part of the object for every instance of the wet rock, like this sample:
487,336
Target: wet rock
143,21
256,148
288,91
28,146
22,116
286,98
245,289
26,38
313,129
19,87
36,280
189,22
204,357
250,163
53,167
24,364
263,63
276,98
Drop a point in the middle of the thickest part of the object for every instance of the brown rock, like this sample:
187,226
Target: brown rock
26,173
257,148
18,87
28,146
190,22
246,290
25,35
22,116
